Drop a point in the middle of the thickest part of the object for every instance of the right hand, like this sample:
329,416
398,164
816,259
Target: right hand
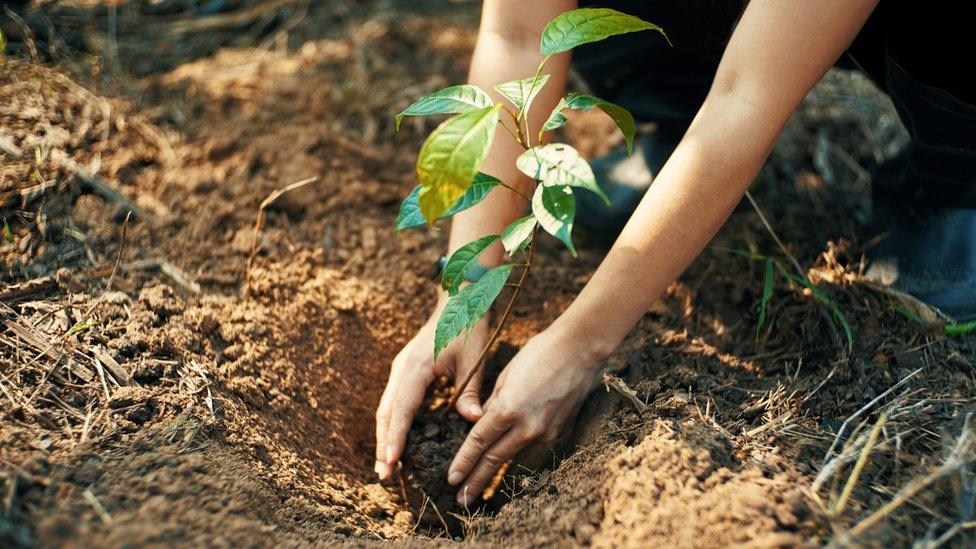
413,370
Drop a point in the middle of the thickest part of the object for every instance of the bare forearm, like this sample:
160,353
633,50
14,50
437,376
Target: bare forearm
687,204
777,53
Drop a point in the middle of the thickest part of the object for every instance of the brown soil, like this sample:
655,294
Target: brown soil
155,392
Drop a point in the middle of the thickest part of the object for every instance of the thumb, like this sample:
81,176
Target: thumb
469,402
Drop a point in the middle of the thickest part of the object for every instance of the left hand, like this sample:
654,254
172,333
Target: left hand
535,397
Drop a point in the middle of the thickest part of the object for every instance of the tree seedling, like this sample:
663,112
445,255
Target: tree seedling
448,168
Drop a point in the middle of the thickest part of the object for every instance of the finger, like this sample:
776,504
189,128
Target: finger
383,412
469,401
499,454
406,402
484,433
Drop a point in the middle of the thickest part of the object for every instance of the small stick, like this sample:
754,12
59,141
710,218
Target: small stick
259,223
866,407
498,328
99,510
856,472
769,227
611,381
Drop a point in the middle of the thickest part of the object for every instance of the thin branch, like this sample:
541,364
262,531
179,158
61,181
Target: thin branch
769,227
259,223
516,191
498,328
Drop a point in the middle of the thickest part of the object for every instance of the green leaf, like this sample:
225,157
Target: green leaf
485,291
410,215
453,319
961,329
522,92
586,25
477,191
517,235
555,208
766,294
450,157
620,115
559,164
462,260
451,100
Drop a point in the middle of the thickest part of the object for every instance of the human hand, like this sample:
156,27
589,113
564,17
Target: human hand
535,398
413,370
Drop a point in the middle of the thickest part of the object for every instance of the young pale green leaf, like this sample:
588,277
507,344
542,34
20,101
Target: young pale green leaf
517,235
485,291
451,100
461,262
453,319
450,158
558,164
586,25
767,293
620,115
555,208
410,215
522,92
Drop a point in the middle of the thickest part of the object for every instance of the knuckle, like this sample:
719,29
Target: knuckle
477,439
493,460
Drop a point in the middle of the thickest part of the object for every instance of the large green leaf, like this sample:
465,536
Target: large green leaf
522,92
558,164
517,235
451,100
485,291
620,115
462,260
453,319
585,25
450,158
465,308
410,216
555,208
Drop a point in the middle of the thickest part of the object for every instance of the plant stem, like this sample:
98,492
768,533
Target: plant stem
498,328
512,133
514,190
523,115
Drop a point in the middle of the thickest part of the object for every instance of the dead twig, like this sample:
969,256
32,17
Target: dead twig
101,188
259,224
611,381
772,232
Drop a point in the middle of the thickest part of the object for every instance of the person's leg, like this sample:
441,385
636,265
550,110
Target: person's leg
925,197
657,82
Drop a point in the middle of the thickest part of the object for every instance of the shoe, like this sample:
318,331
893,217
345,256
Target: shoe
624,178
927,252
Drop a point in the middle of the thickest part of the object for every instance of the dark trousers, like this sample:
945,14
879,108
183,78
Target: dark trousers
907,50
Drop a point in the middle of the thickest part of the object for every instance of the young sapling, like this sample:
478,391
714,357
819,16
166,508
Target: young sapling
448,168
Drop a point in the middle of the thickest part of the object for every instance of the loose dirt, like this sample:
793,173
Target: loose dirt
156,392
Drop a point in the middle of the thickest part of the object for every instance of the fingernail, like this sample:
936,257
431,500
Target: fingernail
376,467
454,477
389,454
475,410
383,470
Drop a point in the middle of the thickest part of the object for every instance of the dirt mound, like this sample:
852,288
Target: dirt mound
157,390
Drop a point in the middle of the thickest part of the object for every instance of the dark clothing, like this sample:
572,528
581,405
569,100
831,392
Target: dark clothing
907,51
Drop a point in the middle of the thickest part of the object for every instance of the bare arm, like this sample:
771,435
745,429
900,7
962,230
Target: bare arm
780,49
777,53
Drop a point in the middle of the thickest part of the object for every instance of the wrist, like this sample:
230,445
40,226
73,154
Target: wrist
592,346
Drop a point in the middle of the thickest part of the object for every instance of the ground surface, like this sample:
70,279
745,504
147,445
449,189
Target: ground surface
155,389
